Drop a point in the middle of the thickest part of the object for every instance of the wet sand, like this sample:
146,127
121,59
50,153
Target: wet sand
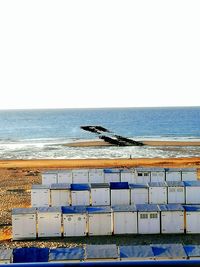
148,143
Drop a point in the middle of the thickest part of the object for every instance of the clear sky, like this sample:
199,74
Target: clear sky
68,54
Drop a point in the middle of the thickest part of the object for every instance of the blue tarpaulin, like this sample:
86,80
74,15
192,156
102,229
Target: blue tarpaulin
175,183
191,207
192,183
119,185
30,255
60,186
122,208
102,209
111,171
73,209
60,254
169,251
136,252
157,184
80,187
138,186
101,252
147,207
192,250
171,207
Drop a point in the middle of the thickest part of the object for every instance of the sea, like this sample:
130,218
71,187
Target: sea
42,134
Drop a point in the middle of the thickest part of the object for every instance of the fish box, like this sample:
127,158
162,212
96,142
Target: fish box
40,195
49,221
24,223
148,219
192,213
172,219
120,193
192,189
157,175
65,176
139,193
173,174
142,175
80,194
100,194
124,219
74,221
157,193
176,192
111,175
99,220
96,176
50,177
80,176
128,175
60,195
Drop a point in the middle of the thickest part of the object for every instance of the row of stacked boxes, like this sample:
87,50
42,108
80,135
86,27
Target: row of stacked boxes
102,253
30,223
115,193
137,175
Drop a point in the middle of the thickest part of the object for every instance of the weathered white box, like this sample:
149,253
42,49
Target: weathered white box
124,219
68,255
6,256
49,177
80,176
24,223
99,220
192,213
176,192
148,218
100,194
120,193
40,195
60,195
49,221
173,174
172,219
128,175
142,175
192,189
74,221
80,194
139,193
169,252
157,193
101,253
96,176
65,176
139,252
157,175
189,174
111,175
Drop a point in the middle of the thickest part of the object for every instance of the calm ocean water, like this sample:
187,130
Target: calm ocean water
26,134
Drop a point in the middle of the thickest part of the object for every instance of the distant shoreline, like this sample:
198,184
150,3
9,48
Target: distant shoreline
148,143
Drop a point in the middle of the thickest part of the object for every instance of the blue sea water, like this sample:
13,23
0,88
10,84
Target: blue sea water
42,133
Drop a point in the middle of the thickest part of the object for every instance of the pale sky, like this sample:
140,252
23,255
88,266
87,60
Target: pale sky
70,54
